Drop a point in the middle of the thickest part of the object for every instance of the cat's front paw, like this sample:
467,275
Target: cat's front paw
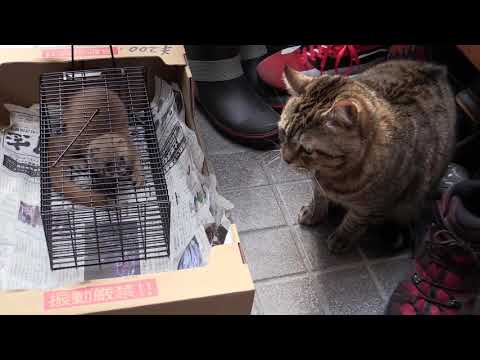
307,216
339,244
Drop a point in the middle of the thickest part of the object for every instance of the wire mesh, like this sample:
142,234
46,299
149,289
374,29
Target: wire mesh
104,197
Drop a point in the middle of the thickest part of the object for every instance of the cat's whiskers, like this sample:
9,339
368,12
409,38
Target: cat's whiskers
263,156
319,186
275,158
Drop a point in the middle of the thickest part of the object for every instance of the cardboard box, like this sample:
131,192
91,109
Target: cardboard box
224,286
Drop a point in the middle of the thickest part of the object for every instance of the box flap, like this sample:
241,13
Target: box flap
21,66
170,54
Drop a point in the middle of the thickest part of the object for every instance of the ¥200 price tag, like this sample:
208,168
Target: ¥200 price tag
158,50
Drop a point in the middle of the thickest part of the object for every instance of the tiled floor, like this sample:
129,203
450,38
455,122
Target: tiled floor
290,264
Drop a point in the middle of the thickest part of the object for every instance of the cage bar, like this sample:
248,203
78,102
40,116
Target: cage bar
133,223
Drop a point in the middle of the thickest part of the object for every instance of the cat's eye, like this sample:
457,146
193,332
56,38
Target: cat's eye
326,155
308,151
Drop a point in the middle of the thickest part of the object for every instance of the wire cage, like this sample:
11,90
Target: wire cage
104,197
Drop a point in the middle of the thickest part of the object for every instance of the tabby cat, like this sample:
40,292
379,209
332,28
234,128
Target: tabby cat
376,144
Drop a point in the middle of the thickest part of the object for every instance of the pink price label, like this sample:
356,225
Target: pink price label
66,53
59,299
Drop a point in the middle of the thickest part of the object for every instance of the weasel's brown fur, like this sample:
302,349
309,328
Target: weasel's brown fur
104,142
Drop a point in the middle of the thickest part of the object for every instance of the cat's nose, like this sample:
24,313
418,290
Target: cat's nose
287,156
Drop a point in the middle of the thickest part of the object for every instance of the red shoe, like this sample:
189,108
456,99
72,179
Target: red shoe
446,278
313,60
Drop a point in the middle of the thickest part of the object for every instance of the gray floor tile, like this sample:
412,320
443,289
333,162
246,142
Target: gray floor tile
351,292
271,253
254,309
390,273
255,208
278,171
314,242
290,297
215,142
294,196
257,308
238,170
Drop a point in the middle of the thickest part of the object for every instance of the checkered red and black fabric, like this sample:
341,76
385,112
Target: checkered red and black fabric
446,279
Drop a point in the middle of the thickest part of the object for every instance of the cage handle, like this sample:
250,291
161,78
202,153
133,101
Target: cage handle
75,138
111,54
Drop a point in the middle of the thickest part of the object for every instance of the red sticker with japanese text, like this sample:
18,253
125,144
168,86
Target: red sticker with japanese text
66,53
91,295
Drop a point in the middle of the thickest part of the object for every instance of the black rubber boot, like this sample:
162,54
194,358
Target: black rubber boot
228,98
251,56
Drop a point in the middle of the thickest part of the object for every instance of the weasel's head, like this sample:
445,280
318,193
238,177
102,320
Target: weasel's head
108,156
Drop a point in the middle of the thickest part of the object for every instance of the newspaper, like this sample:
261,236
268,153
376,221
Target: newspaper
199,215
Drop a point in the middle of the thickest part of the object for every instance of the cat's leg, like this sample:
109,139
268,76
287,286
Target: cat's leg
315,212
353,226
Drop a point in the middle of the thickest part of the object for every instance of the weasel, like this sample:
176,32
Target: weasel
104,145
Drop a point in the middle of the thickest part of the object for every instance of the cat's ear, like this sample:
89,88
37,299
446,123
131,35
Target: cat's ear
343,115
295,81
